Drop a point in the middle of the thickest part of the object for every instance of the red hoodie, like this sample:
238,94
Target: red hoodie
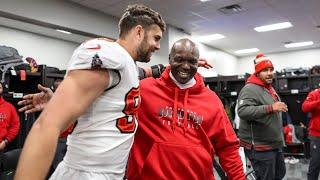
179,132
9,121
312,104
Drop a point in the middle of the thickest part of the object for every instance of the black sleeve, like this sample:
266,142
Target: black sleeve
156,71
141,73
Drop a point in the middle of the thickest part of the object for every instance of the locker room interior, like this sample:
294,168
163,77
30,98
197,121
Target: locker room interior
225,31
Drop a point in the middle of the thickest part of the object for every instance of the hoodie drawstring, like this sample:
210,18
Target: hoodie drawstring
175,109
185,110
185,113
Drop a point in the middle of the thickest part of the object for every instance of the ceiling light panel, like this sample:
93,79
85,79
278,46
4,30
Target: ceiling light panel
208,38
298,44
63,31
246,51
273,27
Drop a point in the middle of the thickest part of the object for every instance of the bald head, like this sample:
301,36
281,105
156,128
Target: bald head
185,45
183,60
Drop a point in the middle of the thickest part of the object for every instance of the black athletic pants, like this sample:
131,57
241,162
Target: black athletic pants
314,166
268,165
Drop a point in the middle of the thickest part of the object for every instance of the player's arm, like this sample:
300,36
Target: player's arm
79,89
311,103
151,71
225,142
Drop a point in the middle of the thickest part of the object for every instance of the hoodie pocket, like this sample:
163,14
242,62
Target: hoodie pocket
177,161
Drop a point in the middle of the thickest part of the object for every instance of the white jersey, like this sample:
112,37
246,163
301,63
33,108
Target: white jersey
104,134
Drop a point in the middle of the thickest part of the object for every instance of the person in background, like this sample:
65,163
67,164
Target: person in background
182,125
312,105
9,122
260,131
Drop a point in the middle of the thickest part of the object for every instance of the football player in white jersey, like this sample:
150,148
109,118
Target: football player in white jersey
101,91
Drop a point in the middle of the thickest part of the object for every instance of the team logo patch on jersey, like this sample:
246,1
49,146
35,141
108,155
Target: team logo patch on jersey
96,62
241,102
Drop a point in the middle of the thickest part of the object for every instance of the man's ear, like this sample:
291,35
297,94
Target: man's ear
139,32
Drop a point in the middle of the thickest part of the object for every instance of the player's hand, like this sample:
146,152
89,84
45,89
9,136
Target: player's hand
279,107
204,63
2,145
302,125
35,102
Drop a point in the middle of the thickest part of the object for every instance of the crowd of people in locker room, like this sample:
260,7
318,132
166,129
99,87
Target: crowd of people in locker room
169,126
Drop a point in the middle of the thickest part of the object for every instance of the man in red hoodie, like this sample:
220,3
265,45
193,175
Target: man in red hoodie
312,105
9,122
260,129
182,125
187,139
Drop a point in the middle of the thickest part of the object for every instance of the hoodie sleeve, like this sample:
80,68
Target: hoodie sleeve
312,102
226,144
14,125
249,108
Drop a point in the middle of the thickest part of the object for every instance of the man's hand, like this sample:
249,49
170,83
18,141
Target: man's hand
279,107
302,125
35,102
2,145
204,63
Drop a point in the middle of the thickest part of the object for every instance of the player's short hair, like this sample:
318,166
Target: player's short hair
139,15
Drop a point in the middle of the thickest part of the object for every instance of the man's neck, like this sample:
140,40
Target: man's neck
128,47
189,84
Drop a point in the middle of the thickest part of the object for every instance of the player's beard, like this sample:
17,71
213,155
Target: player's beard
143,53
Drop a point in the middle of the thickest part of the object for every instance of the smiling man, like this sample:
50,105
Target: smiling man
260,129
182,124
101,91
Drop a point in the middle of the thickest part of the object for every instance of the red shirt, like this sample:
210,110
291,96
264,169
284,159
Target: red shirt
9,121
312,105
179,132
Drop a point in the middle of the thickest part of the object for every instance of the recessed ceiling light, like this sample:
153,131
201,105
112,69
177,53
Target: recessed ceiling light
272,27
245,51
211,37
204,0
63,31
298,44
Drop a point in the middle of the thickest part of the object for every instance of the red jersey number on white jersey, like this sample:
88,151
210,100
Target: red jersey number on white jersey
127,124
